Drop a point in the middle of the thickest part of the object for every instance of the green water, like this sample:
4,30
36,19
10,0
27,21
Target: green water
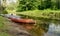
46,28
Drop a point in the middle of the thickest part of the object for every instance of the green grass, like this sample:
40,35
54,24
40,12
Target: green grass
38,11
3,26
42,13
4,34
2,20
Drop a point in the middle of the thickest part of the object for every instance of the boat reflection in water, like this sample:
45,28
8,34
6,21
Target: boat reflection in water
50,29
40,29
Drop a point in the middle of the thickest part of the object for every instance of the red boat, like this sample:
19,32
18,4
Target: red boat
28,21
20,20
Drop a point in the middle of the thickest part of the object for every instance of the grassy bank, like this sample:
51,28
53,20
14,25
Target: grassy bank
3,21
49,14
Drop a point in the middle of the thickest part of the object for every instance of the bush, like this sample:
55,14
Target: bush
4,12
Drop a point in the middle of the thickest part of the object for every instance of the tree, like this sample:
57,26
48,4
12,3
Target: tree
2,8
26,5
58,4
47,4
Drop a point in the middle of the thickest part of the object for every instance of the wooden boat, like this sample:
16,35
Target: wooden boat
28,21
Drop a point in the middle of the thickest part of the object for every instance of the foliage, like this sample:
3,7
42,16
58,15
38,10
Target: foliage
3,21
4,12
11,6
40,14
25,5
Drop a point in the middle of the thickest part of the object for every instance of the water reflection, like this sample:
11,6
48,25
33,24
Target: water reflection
46,29
54,30
40,29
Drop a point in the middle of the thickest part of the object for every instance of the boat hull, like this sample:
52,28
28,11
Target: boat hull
27,21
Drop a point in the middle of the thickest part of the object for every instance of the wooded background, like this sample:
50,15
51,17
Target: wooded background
25,5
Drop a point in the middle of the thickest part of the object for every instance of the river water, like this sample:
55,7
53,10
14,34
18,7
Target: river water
45,27
49,28
54,30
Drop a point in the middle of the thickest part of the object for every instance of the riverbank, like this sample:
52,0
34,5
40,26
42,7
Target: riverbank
3,26
41,14
9,28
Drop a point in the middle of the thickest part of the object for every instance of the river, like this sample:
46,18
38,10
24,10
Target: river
54,30
47,28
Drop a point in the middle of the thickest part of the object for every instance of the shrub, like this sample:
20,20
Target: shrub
4,12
